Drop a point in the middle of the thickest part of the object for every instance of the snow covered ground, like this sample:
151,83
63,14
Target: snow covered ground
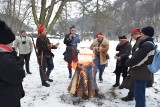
57,95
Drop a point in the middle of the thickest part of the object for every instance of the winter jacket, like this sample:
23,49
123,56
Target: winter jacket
138,40
124,52
71,52
25,48
11,77
138,62
103,49
42,45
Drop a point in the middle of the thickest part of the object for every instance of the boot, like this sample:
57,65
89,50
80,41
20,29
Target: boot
117,81
127,98
70,72
121,87
44,83
48,74
100,76
50,80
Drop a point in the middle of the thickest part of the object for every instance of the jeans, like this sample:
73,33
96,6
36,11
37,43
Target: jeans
139,93
50,65
98,66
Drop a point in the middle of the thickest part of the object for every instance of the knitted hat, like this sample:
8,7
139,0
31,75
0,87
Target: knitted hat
40,29
149,31
122,37
135,31
6,34
99,34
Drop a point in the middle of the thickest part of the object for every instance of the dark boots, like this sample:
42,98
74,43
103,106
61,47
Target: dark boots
121,87
70,72
44,83
100,76
130,95
48,74
127,98
117,81
43,79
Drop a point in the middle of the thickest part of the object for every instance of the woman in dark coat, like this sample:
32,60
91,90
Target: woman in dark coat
11,70
71,54
124,50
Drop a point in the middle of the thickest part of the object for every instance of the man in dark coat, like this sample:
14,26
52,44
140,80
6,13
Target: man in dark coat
11,70
71,54
138,65
135,34
124,50
44,47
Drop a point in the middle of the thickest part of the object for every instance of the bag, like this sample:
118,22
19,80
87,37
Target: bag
155,65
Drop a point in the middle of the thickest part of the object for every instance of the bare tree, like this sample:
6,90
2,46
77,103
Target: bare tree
47,11
15,13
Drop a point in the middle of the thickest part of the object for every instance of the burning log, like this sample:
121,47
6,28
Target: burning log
83,83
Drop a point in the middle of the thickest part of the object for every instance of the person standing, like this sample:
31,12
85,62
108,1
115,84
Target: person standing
11,70
138,65
136,35
71,41
23,45
124,50
100,47
44,47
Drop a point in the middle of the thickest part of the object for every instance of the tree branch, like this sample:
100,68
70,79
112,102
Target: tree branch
49,13
57,15
34,13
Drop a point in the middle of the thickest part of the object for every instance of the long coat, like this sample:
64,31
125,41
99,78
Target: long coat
11,77
71,52
103,49
42,45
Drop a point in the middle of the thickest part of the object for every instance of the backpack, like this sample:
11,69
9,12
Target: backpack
155,65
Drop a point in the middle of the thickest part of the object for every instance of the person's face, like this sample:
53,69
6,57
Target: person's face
135,36
73,31
122,41
100,38
44,32
143,36
24,33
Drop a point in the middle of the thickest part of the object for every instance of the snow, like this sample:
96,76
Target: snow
57,95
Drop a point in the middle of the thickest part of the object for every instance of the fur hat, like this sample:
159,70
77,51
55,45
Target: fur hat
40,29
122,37
149,31
135,31
6,34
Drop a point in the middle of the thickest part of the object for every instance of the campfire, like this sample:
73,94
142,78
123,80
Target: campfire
83,83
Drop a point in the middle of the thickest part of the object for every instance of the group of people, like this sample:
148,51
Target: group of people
135,67
138,76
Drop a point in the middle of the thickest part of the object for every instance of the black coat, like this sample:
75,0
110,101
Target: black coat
71,49
123,52
42,45
11,77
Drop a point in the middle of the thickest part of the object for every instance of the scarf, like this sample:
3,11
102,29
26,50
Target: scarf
4,48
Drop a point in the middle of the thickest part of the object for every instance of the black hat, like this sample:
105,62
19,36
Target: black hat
122,37
72,27
149,31
6,35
